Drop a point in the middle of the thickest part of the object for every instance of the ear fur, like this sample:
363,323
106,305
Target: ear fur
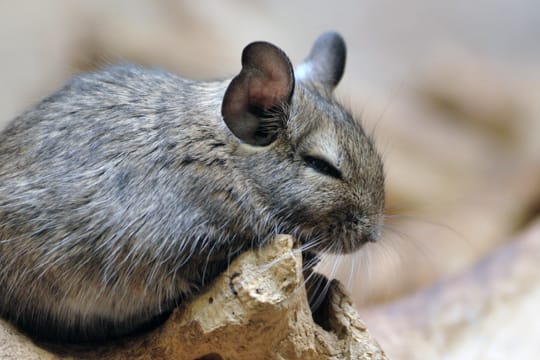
255,103
325,63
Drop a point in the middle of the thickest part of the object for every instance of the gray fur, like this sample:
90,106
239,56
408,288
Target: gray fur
124,193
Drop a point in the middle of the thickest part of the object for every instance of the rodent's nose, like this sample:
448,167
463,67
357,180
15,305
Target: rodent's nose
372,237
374,234
371,228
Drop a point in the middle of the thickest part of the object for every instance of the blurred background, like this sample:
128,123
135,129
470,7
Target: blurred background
451,91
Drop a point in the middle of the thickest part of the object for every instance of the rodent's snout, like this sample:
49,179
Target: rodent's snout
370,228
374,234
366,230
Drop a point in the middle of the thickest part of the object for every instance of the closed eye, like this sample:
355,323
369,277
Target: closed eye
322,166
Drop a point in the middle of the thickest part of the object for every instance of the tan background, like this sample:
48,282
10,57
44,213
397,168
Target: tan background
450,89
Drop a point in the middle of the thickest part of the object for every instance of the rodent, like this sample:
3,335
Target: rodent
129,189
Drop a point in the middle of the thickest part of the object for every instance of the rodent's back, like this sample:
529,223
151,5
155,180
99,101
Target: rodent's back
95,185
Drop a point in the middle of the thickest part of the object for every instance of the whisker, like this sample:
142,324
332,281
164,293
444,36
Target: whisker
402,239
434,223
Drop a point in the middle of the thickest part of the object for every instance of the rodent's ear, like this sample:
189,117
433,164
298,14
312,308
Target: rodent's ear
255,103
326,62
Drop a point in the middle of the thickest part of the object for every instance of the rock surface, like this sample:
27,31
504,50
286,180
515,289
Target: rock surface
258,309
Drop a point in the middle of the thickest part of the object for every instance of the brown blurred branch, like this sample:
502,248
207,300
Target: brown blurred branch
492,308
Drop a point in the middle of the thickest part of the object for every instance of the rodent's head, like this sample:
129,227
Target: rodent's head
313,165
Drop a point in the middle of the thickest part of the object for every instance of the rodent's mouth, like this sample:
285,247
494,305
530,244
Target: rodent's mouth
335,240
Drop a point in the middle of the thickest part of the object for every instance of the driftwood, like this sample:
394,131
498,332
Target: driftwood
258,309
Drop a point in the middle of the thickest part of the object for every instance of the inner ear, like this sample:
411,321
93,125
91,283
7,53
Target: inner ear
325,63
255,104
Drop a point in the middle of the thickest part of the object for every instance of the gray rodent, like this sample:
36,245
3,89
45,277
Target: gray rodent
128,190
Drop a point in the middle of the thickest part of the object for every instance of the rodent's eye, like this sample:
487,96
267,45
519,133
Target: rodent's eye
322,166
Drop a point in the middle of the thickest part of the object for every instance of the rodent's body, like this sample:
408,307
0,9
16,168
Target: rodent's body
130,189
